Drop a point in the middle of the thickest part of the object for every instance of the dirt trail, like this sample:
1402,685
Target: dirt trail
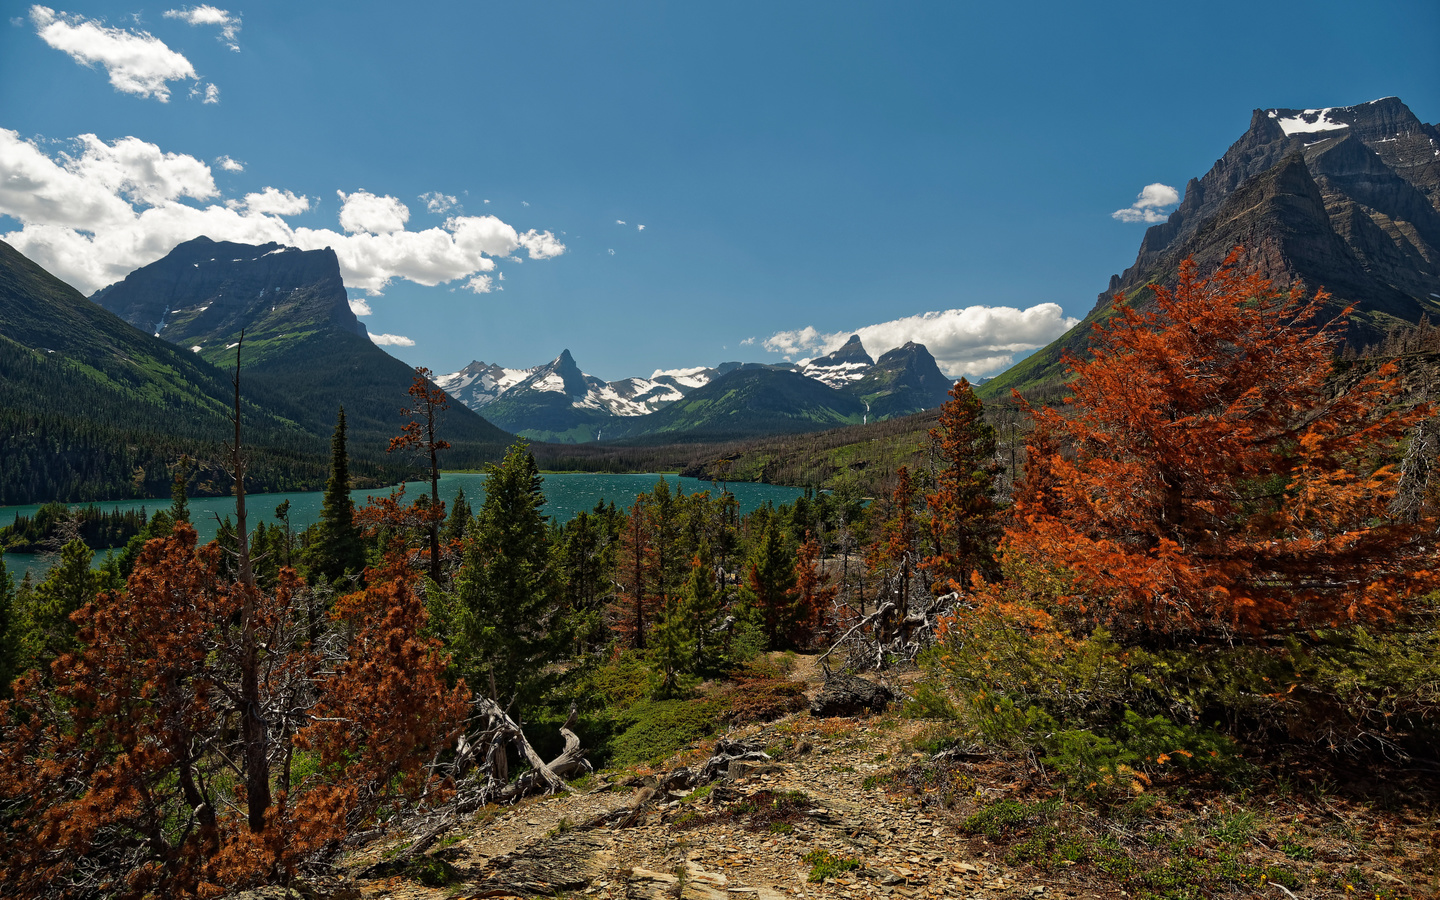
697,848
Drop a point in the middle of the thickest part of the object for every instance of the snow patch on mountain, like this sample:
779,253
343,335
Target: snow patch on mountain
1308,121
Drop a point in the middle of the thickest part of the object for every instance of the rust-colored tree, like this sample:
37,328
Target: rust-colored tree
159,759
420,435
813,594
964,521
894,555
1215,481
637,574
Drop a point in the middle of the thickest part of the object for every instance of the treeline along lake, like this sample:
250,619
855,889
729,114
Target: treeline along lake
565,495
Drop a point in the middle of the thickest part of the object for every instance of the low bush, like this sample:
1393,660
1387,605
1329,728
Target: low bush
653,729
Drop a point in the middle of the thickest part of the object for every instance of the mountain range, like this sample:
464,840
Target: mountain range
558,402
1344,198
302,340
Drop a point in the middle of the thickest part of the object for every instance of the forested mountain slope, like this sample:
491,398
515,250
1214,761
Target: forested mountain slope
302,339
91,407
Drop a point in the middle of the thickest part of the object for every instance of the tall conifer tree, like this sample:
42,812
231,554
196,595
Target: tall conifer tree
506,592
337,550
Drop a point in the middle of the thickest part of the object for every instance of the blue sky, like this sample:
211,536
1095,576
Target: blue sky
801,170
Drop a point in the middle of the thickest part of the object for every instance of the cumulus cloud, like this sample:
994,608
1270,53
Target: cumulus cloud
229,165
272,202
639,227
363,211
96,214
977,340
392,340
209,15
359,307
212,94
439,203
481,284
137,62
747,342
1149,205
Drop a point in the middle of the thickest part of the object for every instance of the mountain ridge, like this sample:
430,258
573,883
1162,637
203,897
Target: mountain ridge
1344,198
302,340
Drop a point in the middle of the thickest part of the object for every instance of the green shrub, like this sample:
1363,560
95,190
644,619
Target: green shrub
824,864
654,729
1006,816
928,702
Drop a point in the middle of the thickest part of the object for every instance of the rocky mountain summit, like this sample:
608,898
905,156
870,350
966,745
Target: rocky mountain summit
559,402
302,340
204,292
1344,198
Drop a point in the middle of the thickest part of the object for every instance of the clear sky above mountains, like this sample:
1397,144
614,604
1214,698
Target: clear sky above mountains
660,185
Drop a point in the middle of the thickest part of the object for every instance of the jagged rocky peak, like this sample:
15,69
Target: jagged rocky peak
205,290
849,363
1378,172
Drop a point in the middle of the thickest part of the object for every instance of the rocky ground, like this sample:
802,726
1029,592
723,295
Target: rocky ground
842,792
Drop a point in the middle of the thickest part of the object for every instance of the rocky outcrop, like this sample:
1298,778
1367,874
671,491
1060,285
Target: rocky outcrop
850,695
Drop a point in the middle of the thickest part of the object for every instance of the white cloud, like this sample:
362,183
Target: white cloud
212,94
438,203
611,251
639,227
209,15
137,62
481,284
747,342
359,307
392,340
272,202
1149,205
229,165
524,203
619,221
363,211
540,244
977,340
93,216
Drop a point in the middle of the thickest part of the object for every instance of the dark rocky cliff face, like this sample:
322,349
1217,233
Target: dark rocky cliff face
903,381
1344,198
203,292
1362,219
302,340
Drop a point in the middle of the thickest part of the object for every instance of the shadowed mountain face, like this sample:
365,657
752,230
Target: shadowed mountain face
92,408
302,340
1345,198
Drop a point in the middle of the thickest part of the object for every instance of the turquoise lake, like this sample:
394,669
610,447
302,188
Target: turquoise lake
565,495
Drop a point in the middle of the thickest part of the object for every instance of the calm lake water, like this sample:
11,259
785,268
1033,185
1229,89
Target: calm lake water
565,495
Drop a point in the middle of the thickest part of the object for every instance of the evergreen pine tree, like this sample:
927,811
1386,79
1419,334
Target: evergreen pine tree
505,592
771,582
336,550
179,504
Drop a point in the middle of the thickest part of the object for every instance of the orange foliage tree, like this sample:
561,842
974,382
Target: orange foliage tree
131,776
638,576
813,593
895,554
420,436
1214,480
